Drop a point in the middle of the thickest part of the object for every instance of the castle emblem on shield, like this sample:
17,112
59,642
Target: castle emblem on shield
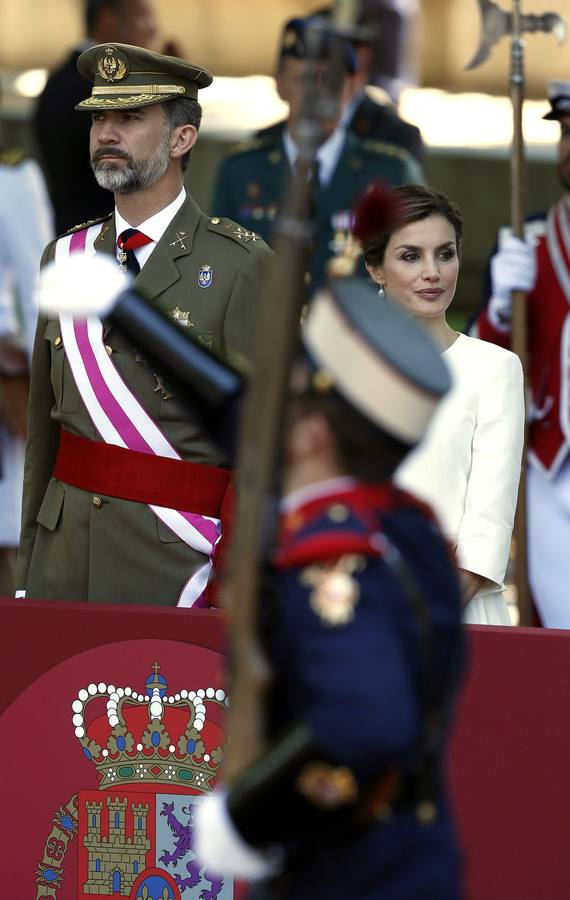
155,754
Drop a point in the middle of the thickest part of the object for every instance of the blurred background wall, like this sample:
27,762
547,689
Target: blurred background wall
464,116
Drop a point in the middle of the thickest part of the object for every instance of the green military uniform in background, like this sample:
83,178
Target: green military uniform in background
71,537
252,181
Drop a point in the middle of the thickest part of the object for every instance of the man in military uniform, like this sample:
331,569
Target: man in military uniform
122,495
252,180
362,631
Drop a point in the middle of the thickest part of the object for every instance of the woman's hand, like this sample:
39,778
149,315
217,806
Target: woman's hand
470,584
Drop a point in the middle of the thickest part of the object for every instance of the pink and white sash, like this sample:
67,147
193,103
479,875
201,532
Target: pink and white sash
121,420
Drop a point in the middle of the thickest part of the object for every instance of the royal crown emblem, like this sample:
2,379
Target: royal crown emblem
155,753
112,65
156,737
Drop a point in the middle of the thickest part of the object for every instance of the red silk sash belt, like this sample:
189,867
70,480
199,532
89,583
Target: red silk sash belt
143,477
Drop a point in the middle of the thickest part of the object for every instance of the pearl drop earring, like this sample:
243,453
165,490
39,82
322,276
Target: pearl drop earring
381,290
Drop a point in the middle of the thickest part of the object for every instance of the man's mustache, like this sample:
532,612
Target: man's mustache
109,151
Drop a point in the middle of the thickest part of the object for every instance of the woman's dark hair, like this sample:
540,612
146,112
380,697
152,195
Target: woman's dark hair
413,203
363,449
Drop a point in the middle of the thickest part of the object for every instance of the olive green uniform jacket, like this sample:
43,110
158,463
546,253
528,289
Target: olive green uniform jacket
77,546
252,180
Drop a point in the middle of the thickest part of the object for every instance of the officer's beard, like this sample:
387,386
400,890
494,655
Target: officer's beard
136,174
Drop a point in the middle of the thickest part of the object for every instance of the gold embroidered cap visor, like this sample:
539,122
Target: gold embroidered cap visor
126,77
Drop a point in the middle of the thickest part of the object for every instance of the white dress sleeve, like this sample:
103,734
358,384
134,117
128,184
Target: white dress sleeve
485,531
25,229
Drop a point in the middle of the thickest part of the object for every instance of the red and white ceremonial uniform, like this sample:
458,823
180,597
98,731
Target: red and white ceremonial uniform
548,484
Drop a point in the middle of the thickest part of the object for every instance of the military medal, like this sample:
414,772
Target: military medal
122,258
182,317
335,590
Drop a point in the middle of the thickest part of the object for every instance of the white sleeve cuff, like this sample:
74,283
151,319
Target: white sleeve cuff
220,847
500,314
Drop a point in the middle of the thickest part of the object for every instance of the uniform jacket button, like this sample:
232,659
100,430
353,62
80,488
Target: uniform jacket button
97,502
109,350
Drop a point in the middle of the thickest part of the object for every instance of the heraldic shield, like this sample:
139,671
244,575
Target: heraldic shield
155,754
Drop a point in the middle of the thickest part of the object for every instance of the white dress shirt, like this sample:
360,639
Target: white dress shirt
328,153
154,227
468,466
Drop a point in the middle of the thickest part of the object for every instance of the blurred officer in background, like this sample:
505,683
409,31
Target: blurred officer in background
363,114
252,180
62,132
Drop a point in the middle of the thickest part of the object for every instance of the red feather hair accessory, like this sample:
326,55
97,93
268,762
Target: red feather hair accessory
377,210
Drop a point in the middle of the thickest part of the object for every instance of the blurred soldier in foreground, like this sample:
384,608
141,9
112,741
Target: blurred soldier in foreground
62,132
25,227
541,266
123,496
362,630
252,181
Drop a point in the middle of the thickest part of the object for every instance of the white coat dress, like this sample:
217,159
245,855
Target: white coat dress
468,466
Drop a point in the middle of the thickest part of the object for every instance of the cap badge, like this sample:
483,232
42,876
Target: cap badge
112,65
205,277
289,38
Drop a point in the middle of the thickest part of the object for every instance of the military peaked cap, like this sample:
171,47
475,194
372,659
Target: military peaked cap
296,41
559,98
375,357
126,77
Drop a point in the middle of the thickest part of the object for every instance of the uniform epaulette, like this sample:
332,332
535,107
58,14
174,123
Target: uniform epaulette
12,156
253,144
87,224
387,149
320,536
230,229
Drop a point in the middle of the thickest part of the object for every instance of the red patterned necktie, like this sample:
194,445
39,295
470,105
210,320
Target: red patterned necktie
128,241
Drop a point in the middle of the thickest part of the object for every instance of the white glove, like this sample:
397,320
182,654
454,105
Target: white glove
220,847
512,268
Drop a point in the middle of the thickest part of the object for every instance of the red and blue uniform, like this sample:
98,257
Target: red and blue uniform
363,630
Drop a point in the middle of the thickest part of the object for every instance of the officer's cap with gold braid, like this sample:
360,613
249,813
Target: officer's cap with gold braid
375,357
126,77
559,99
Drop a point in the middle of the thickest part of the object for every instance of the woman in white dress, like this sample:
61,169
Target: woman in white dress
468,466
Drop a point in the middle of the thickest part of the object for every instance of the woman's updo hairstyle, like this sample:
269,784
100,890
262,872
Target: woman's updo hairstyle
409,203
